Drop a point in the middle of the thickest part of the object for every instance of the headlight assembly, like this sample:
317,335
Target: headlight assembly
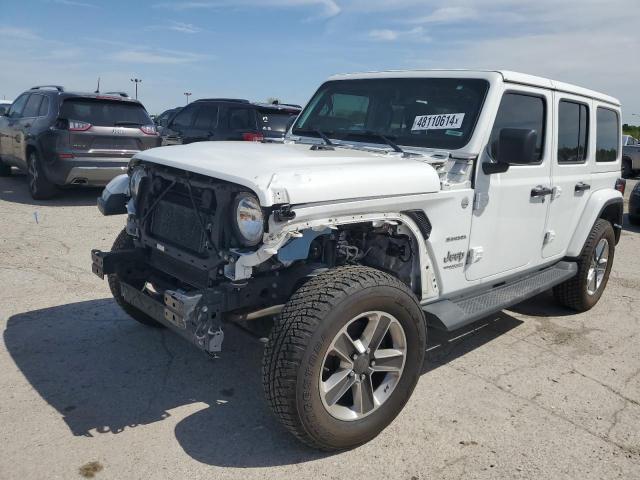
135,179
248,219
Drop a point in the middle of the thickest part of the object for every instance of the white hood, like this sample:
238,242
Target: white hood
295,174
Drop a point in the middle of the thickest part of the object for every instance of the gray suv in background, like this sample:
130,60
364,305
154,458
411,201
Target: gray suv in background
67,138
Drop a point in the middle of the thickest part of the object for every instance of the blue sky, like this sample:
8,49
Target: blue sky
285,48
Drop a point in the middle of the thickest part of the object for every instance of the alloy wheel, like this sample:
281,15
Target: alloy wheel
598,266
363,365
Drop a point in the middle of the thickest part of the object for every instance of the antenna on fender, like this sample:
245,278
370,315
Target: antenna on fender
98,87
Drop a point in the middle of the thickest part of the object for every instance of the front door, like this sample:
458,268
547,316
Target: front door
9,128
510,208
570,172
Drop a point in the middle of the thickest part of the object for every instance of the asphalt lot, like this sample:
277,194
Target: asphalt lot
537,392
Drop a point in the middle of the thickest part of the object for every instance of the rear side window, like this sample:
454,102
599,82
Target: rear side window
32,107
44,107
608,136
573,127
519,110
241,119
206,117
184,119
275,120
104,113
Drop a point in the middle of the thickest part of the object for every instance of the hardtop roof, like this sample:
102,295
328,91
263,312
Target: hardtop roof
506,75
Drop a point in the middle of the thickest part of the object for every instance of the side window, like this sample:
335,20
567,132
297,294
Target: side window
44,107
206,117
18,106
32,107
184,119
520,110
573,127
608,135
240,119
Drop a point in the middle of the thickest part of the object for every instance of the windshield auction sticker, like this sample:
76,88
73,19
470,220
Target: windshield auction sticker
438,122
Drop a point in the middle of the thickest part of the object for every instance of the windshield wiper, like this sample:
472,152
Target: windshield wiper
318,132
384,138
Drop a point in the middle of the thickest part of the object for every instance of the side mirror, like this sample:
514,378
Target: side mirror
515,146
3,111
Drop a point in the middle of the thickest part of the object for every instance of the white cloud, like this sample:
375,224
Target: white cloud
18,33
448,15
180,27
387,35
330,8
73,3
158,57
383,35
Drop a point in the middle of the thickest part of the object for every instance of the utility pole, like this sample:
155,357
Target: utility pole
136,81
187,94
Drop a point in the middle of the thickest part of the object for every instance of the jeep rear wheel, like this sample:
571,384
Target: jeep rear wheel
584,290
39,185
124,242
344,357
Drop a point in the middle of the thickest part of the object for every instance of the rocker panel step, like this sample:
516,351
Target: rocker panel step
451,315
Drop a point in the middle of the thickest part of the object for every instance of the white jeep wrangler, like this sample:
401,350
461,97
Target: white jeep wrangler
400,200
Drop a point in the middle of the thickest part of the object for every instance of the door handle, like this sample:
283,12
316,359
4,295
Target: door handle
541,191
581,187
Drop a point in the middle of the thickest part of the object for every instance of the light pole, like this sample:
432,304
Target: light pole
136,81
187,94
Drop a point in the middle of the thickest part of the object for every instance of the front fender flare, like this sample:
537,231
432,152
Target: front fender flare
242,267
594,209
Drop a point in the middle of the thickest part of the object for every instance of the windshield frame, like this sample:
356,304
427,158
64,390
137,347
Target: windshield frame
349,137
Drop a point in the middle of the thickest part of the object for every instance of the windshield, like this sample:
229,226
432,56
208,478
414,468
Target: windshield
104,113
418,112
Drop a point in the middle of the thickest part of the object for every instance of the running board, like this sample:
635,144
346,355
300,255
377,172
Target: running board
451,315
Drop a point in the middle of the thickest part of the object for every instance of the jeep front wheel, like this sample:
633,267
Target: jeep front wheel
584,290
344,357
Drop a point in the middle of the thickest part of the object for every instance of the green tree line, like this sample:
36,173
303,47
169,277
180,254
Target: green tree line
632,130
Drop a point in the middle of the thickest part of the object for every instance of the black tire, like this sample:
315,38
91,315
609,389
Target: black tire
40,187
122,242
301,337
627,171
634,219
574,292
5,170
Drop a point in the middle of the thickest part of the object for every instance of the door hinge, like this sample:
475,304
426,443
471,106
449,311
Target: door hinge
475,255
549,237
480,200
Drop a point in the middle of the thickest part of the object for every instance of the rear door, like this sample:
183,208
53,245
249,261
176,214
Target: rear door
507,228
104,127
204,125
570,171
179,126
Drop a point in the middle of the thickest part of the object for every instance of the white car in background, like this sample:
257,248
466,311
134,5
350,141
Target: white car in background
4,106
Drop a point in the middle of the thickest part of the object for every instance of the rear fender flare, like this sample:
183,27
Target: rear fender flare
602,204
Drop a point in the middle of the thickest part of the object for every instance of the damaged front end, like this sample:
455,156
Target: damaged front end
187,231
